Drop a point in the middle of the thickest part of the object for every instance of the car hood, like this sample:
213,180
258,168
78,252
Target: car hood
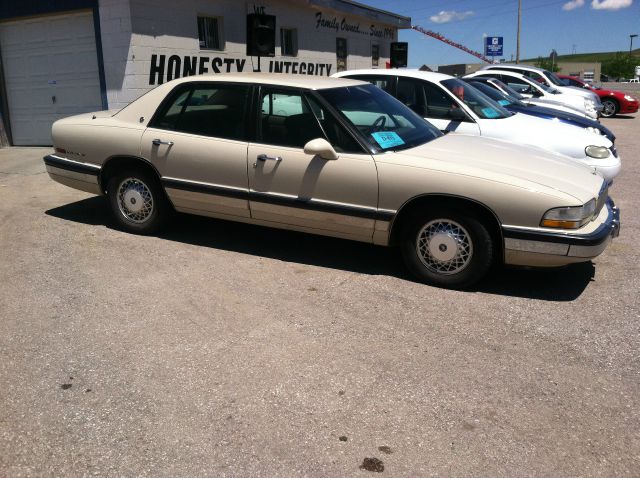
551,134
575,91
495,160
556,104
564,116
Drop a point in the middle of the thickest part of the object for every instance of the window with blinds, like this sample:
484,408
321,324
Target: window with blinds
209,33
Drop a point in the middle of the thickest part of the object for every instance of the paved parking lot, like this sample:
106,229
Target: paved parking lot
220,349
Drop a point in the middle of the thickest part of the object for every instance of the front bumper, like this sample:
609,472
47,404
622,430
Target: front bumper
537,248
629,107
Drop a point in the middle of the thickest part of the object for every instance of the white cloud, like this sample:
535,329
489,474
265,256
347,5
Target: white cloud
450,16
572,4
610,4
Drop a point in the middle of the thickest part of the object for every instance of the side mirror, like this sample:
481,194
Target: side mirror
320,147
456,114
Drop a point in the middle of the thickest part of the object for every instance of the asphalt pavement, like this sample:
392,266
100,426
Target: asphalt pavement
222,349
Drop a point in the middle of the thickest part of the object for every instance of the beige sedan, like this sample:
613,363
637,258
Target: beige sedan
340,158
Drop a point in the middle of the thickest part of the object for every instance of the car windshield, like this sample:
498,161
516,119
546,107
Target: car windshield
548,89
510,91
479,103
385,123
553,78
496,95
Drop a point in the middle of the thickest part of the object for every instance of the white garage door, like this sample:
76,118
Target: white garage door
50,70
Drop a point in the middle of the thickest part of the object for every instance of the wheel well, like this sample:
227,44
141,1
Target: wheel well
119,163
612,99
424,203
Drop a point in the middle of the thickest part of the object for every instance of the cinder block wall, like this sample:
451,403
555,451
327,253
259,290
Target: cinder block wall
145,42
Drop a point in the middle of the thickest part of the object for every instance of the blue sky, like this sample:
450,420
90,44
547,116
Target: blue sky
584,25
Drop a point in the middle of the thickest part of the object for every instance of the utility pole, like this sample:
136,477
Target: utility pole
631,37
518,38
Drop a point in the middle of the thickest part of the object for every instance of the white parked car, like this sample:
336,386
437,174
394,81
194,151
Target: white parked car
453,105
537,91
547,78
541,101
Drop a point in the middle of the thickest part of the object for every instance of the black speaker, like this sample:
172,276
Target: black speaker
261,35
399,52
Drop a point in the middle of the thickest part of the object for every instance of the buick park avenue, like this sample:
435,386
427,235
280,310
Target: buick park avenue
336,157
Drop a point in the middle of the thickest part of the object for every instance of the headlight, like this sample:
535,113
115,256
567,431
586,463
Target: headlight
569,217
589,104
629,98
591,129
598,152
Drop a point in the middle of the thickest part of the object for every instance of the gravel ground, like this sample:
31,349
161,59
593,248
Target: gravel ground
220,349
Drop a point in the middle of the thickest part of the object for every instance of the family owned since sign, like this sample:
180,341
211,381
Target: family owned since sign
166,69
332,23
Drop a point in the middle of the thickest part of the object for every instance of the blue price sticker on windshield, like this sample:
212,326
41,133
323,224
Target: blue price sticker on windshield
490,113
504,102
388,139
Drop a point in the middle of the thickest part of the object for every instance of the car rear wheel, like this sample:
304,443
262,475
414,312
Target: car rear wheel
137,202
609,108
447,248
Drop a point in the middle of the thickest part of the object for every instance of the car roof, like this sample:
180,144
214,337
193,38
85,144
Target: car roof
276,79
513,65
404,72
486,73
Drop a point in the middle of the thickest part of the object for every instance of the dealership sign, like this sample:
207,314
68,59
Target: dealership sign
166,69
493,46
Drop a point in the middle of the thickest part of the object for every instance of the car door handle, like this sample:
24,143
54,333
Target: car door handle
158,142
264,157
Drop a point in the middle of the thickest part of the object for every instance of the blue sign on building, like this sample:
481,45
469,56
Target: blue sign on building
493,46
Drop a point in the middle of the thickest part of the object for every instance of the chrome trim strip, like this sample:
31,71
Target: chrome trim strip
204,188
536,246
320,205
279,199
70,165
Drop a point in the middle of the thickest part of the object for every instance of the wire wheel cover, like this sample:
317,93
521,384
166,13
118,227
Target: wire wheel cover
135,200
444,246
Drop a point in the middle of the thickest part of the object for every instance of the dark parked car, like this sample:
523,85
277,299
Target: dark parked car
514,105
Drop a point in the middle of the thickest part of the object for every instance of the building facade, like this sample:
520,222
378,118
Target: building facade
63,57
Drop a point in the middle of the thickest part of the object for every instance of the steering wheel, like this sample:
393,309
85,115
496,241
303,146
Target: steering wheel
378,124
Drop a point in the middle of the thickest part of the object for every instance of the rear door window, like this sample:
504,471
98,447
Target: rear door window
213,109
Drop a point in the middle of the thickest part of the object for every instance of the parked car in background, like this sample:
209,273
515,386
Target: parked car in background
613,102
339,158
516,106
510,92
532,89
451,105
546,78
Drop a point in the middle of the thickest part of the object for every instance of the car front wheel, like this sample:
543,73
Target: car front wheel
609,108
447,248
137,202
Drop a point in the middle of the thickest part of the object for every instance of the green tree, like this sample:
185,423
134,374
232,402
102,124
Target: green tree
622,65
547,64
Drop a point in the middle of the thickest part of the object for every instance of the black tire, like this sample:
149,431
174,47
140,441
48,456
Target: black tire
464,254
610,107
137,201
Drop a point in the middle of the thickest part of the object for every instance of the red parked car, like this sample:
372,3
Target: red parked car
613,102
